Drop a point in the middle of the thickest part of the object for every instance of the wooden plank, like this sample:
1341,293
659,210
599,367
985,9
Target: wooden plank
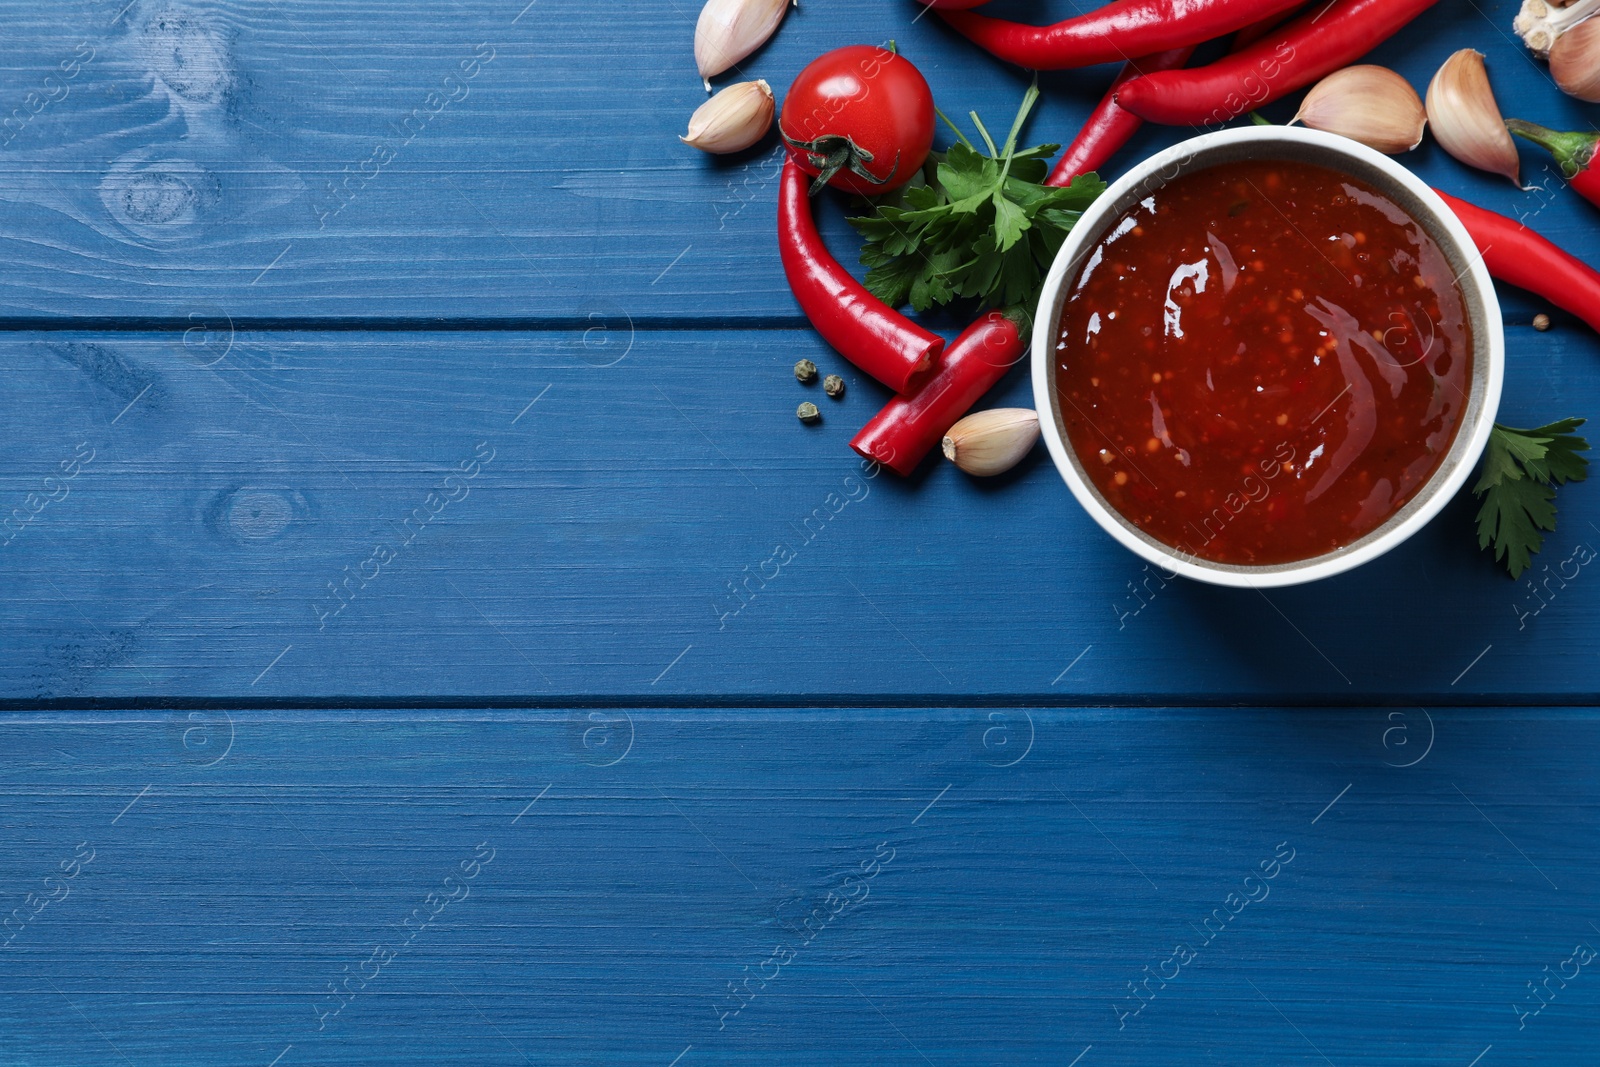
303,160
553,517
1009,873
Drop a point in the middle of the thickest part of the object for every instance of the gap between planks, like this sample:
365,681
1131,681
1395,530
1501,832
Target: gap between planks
529,324
815,702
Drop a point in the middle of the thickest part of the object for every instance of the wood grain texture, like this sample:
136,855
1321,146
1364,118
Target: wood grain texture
1014,871
297,159
408,518
516,516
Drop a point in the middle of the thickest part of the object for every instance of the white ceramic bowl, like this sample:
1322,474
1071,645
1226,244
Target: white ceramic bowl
1348,157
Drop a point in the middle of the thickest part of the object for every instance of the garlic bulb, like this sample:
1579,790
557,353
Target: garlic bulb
1465,118
1575,61
1373,105
1541,23
733,120
729,30
992,442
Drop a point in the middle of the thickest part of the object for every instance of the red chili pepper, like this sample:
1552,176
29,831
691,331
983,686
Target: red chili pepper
1574,151
1313,45
1118,31
1518,256
1257,30
909,426
1108,127
875,337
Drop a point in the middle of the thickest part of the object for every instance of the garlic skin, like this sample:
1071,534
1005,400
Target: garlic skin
1541,23
729,30
733,120
991,442
1575,61
1366,103
1466,120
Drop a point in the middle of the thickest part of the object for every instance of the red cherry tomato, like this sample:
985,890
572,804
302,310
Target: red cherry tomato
860,118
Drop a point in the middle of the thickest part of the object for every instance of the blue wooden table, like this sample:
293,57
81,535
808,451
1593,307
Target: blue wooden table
399,429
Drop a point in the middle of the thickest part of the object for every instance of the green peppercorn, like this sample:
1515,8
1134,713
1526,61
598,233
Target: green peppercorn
806,371
833,385
808,412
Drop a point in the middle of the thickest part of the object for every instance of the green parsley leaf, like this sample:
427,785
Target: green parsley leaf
1009,221
1519,469
966,175
983,227
893,277
1560,462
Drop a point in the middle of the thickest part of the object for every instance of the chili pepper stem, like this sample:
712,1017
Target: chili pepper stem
1573,151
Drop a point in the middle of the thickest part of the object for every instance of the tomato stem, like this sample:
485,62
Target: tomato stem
832,153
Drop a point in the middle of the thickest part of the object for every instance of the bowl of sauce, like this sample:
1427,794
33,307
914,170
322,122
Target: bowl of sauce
1265,356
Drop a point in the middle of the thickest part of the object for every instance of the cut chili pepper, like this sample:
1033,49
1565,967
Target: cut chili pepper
866,331
1303,51
1573,151
1516,255
1108,126
1120,30
908,427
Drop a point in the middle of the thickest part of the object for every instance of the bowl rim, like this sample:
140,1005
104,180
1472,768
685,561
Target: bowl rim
1441,487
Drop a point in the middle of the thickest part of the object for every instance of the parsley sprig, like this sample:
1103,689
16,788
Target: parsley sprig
982,227
1520,470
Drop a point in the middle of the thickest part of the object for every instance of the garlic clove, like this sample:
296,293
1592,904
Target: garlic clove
1370,104
729,30
1575,61
991,442
733,120
1465,118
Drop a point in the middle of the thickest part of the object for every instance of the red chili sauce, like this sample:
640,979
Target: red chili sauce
1262,361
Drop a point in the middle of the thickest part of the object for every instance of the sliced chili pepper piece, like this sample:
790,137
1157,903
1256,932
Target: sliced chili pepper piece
1108,126
1573,151
866,331
1516,255
1313,45
1117,31
908,427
